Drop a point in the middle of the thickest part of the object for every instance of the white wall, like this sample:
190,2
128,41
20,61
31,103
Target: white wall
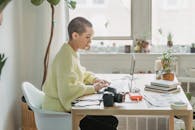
24,35
9,42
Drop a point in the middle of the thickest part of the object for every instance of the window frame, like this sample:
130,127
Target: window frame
138,15
129,37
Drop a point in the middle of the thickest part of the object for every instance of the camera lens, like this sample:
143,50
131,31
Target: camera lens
108,99
119,97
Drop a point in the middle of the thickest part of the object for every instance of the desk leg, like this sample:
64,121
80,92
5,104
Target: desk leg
76,120
171,122
188,121
188,87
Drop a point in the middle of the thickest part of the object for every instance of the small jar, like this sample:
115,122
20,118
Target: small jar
158,75
127,48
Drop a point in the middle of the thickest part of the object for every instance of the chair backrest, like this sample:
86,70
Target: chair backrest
45,120
34,97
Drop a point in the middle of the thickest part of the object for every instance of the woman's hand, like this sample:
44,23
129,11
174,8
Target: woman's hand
99,84
100,80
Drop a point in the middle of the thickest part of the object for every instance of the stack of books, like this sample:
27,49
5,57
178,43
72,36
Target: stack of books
163,86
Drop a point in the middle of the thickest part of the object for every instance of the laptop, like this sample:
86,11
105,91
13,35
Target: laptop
132,71
127,81
132,67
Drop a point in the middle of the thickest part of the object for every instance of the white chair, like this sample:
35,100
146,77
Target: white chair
45,120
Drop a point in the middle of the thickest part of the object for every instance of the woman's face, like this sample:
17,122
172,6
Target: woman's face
84,39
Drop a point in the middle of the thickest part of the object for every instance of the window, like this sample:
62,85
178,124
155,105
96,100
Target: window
107,17
176,17
118,20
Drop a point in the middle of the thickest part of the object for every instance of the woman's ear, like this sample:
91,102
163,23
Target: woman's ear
75,35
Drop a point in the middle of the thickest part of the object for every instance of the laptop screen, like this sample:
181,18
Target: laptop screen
132,67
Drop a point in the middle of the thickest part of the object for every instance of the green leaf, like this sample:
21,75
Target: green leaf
1,1
170,37
3,4
37,2
71,4
53,2
189,96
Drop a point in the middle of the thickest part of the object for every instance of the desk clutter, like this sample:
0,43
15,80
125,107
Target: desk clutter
109,96
162,86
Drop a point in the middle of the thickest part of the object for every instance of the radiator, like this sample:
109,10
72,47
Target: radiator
143,123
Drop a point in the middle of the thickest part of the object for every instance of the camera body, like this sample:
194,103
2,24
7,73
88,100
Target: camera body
110,96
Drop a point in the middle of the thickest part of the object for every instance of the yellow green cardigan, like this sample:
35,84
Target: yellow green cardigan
66,81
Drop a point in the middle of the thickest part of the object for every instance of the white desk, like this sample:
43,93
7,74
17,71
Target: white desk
140,108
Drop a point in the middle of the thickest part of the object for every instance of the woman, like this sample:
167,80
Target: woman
68,80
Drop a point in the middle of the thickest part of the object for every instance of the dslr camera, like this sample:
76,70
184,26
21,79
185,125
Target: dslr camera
110,96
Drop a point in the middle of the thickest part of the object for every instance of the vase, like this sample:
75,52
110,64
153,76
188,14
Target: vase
127,48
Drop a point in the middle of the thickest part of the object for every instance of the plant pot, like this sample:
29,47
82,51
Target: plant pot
168,76
169,43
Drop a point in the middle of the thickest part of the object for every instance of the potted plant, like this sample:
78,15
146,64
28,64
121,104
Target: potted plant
53,3
192,48
2,62
142,46
167,60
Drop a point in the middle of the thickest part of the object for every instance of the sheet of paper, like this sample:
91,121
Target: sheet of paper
91,97
162,100
87,103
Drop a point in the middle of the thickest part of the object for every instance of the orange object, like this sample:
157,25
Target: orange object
168,76
135,96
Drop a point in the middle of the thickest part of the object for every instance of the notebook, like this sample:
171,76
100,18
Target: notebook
164,83
160,88
175,90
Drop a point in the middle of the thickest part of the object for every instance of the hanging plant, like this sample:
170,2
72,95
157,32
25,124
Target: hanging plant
71,4
2,62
